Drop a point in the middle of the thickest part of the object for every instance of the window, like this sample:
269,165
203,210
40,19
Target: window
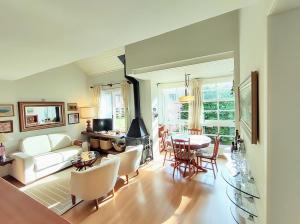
174,114
112,107
219,111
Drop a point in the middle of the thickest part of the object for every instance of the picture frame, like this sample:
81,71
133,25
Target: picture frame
73,118
6,126
72,107
248,106
7,110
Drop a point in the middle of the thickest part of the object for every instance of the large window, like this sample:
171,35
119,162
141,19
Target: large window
174,114
112,107
219,111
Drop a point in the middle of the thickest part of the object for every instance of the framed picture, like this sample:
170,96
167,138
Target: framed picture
6,126
73,118
7,110
72,107
248,105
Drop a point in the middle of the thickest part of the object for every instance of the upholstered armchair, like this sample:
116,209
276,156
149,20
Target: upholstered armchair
95,182
130,160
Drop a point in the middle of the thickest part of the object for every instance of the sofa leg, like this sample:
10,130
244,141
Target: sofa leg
96,203
113,192
127,179
137,172
73,199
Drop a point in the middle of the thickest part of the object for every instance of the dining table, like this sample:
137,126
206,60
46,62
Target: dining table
196,142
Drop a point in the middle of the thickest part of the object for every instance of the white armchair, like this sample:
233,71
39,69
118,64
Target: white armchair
95,182
130,160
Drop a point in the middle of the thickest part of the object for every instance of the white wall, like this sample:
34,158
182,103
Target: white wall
67,84
253,45
284,154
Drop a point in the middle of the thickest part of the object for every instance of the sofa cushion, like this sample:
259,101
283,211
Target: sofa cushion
47,160
36,145
59,141
68,153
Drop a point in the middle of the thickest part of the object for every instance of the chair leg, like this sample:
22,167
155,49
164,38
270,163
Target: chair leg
175,165
213,168
127,179
96,203
184,169
216,165
165,157
73,199
190,173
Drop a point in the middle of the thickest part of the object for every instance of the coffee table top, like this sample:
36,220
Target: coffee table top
86,157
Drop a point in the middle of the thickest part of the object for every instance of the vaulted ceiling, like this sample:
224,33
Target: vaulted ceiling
39,35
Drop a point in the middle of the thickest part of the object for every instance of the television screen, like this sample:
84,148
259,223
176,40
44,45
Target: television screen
103,124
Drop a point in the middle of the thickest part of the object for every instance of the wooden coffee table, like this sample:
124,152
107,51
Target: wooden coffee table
85,159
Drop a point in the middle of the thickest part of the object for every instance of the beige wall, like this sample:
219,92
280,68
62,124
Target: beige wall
67,84
284,154
253,45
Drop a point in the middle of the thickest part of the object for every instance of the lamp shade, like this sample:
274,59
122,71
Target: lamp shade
186,99
87,112
2,138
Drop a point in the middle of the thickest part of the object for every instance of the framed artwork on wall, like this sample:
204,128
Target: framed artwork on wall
7,110
73,118
248,105
6,126
72,107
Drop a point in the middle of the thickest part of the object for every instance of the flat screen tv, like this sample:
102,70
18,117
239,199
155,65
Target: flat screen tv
105,124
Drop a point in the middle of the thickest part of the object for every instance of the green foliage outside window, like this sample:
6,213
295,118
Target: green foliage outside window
227,131
210,106
184,115
226,105
226,115
211,115
185,107
226,140
211,130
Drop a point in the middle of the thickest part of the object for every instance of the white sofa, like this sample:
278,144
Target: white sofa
95,182
43,155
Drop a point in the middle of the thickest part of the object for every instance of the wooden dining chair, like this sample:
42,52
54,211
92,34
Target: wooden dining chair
183,154
195,131
211,158
166,147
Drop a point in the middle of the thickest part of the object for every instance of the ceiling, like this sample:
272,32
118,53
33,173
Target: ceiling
279,6
40,35
212,69
102,64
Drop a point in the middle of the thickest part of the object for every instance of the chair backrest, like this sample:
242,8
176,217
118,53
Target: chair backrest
216,147
130,160
181,148
97,181
163,143
195,131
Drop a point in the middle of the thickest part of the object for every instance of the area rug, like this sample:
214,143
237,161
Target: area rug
53,192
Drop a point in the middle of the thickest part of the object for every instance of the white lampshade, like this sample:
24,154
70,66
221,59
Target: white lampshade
87,112
2,138
186,99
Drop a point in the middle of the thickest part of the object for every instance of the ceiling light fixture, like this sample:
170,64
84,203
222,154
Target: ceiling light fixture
186,98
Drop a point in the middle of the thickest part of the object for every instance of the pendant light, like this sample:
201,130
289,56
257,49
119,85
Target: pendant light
186,98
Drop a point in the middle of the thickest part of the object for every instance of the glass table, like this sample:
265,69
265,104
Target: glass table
85,159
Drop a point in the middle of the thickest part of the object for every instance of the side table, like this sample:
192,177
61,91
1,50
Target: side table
7,160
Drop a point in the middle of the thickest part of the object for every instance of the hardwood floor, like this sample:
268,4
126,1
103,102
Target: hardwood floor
154,197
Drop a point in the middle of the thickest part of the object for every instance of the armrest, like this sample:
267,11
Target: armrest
23,167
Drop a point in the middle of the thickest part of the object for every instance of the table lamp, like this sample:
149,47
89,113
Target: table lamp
87,113
2,147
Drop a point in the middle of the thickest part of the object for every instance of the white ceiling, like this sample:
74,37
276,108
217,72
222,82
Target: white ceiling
279,6
204,70
39,35
106,62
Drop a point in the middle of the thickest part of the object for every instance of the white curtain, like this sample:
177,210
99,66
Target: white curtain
125,88
97,99
195,106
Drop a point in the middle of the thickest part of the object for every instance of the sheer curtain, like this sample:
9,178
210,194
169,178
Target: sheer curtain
97,99
125,88
195,106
